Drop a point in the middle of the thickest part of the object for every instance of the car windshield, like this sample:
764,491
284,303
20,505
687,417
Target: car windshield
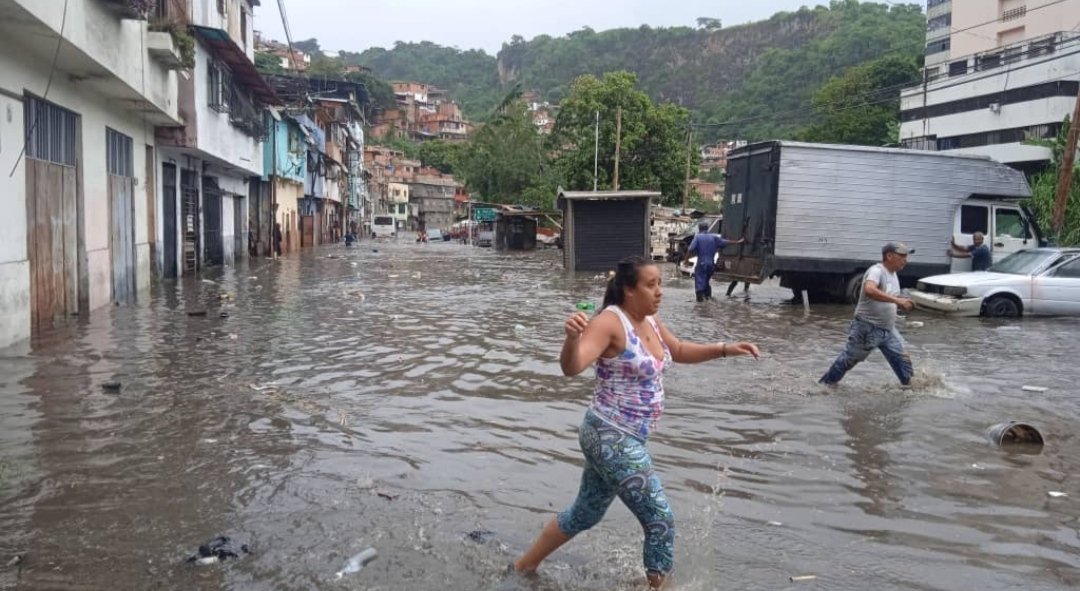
381,221
1023,262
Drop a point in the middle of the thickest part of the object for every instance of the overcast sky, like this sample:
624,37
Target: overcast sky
356,25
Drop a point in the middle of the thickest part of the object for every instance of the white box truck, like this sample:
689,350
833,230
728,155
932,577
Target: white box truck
817,215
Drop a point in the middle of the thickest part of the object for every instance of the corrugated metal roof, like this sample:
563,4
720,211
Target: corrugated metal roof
605,195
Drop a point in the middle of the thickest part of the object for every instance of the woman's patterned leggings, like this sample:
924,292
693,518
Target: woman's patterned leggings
617,463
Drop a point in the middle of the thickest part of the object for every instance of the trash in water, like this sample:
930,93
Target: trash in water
774,523
1035,389
386,495
197,313
216,550
253,278
916,324
15,561
356,563
208,282
803,578
1057,495
480,536
223,315
353,264
1015,433
392,276
519,328
374,250
233,337
586,306
112,386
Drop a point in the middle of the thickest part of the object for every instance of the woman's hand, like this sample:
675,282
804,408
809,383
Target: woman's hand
575,325
742,348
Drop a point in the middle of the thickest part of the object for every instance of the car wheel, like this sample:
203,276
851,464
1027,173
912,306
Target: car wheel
1001,307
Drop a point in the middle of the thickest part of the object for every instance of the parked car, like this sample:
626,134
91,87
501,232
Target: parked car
435,235
1041,281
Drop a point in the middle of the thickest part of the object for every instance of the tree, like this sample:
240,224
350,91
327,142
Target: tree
709,24
862,106
268,63
1044,191
653,146
504,161
441,155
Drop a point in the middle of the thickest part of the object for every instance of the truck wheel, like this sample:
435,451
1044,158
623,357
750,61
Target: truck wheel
1001,306
853,289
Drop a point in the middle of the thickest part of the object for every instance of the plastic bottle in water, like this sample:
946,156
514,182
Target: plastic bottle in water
356,563
586,306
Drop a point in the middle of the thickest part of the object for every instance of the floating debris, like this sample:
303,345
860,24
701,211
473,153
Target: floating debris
1057,494
774,523
1035,389
357,563
480,536
112,386
799,578
916,324
15,561
217,550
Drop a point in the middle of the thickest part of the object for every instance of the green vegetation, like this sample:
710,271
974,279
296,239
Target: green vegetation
653,149
862,105
268,63
1044,193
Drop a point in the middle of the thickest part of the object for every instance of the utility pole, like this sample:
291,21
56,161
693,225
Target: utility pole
689,153
1065,175
618,143
596,153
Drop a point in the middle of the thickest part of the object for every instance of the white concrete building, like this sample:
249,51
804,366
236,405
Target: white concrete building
206,166
998,73
83,83
1001,100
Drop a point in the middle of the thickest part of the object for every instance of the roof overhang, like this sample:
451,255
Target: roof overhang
243,70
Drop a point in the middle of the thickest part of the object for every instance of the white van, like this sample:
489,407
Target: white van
383,226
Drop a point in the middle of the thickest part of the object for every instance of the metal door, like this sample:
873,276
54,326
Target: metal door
168,221
52,203
239,238
214,252
120,164
189,195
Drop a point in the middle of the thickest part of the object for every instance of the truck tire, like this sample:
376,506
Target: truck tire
1002,306
853,288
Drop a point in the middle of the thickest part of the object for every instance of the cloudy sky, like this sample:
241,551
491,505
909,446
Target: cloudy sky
356,25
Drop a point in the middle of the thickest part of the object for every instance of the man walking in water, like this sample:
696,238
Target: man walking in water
705,245
874,326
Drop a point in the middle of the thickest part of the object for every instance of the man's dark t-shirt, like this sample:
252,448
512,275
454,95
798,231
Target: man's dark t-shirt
981,257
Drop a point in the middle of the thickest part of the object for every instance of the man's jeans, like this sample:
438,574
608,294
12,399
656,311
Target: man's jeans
863,338
703,273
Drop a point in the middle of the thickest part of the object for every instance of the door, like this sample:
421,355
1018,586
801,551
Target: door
213,252
52,202
1011,233
750,211
239,237
120,162
168,220
1057,292
971,219
307,231
189,199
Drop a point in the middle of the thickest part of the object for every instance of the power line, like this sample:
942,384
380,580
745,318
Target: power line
45,95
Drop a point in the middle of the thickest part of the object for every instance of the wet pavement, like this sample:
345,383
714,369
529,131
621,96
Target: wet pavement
410,400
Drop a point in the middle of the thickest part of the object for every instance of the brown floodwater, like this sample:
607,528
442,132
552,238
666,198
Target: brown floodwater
407,398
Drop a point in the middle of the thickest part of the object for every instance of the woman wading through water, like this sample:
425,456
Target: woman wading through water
631,349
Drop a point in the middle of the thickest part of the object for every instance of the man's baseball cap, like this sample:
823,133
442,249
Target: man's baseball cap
898,247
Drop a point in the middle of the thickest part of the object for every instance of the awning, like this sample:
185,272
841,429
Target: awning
242,69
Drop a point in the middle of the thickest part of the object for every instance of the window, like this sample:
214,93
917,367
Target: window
988,61
932,3
51,132
1009,224
958,68
119,158
244,27
939,46
1058,88
218,87
221,7
1070,270
939,22
974,218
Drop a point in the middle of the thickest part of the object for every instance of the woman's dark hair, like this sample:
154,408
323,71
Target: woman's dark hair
626,276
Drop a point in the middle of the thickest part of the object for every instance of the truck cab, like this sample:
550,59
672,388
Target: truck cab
1007,228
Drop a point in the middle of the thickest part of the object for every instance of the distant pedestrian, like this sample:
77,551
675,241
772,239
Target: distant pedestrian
631,348
874,326
980,254
705,246
277,240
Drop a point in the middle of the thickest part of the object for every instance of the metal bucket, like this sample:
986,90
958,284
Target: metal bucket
1015,434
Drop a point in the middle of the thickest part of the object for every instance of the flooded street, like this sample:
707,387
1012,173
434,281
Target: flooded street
410,400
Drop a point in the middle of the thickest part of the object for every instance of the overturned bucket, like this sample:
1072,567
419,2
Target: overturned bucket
1015,433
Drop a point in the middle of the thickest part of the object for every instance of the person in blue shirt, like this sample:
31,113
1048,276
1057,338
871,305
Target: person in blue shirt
705,246
979,253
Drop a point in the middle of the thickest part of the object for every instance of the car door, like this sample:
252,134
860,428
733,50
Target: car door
1056,292
1010,233
970,219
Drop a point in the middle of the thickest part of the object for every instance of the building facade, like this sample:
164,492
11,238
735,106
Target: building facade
999,73
83,83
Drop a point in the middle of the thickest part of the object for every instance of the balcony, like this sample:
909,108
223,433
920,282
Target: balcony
131,9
